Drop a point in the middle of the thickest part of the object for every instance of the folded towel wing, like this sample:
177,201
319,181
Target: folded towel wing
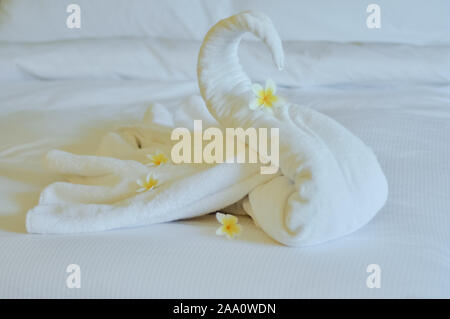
101,190
331,182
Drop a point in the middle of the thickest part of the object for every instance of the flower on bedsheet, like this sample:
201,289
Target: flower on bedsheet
149,183
266,98
230,227
157,159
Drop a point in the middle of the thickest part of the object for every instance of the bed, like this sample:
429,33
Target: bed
67,93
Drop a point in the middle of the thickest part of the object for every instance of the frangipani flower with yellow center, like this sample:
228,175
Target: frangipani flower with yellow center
230,227
149,183
266,98
157,159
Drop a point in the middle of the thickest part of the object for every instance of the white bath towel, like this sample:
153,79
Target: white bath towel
101,191
331,182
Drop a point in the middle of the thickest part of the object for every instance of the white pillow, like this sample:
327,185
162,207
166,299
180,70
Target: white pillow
327,63
97,59
45,20
402,21
307,63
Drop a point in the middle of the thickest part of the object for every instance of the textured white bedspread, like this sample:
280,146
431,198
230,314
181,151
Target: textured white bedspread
408,128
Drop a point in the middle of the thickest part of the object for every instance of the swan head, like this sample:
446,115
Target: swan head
224,85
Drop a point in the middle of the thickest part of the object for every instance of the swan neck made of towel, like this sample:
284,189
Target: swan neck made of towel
222,81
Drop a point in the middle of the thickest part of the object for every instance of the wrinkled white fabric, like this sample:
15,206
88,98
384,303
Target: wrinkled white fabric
408,128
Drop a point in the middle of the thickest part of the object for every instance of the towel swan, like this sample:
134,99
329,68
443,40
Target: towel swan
331,182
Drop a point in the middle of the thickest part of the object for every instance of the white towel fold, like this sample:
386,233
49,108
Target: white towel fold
101,190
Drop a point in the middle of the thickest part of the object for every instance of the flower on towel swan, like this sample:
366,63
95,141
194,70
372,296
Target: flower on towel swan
149,183
266,98
230,227
157,159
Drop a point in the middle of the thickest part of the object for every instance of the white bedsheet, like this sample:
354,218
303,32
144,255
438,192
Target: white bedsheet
408,128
